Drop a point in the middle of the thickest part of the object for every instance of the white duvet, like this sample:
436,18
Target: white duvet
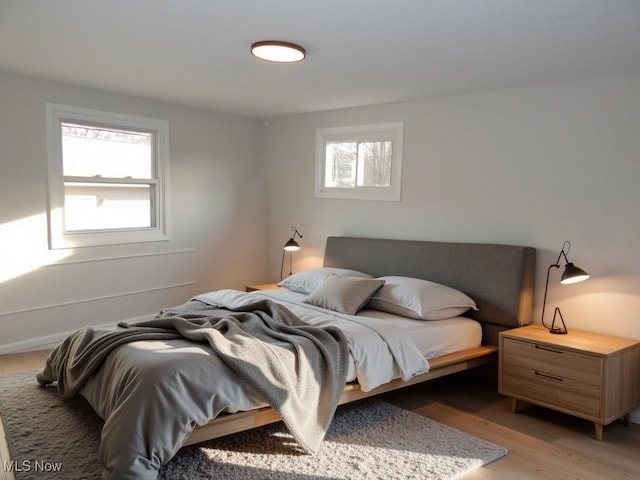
383,346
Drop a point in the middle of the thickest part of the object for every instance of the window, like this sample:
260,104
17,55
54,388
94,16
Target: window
362,162
107,178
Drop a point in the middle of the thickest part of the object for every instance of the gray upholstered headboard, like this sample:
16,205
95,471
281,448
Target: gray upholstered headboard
499,278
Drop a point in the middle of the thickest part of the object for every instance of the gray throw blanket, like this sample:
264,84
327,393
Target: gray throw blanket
300,370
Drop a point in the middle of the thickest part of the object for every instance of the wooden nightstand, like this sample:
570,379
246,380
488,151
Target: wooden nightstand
262,286
595,377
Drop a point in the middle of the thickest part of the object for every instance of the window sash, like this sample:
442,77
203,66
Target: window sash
359,168
64,233
86,155
359,135
96,204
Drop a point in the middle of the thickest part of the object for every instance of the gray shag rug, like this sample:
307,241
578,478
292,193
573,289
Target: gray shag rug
50,438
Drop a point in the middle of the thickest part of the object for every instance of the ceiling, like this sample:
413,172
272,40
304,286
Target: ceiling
359,52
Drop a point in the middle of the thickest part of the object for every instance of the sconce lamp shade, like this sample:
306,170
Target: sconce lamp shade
571,274
290,246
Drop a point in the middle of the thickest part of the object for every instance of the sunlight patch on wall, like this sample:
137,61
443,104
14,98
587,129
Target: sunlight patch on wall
24,247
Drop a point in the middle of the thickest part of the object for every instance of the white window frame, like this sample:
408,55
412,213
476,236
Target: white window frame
393,131
60,238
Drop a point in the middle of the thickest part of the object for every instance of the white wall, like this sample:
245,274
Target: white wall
531,166
217,209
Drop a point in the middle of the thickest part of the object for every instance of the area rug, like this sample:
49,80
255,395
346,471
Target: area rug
52,438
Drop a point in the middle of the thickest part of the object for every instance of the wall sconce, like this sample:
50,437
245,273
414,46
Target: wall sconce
571,274
291,246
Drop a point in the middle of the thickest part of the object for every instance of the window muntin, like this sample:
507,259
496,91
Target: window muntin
359,162
107,178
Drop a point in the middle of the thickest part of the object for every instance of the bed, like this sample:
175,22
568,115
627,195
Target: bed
498,279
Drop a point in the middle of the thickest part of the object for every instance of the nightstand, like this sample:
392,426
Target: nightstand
591,376
262,286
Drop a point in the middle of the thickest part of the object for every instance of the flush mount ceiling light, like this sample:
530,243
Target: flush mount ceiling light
276,51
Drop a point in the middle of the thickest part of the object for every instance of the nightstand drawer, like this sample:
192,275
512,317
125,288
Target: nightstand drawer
593,376
553,360
547,388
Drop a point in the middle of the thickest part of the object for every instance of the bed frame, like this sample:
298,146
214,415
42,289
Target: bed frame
499,278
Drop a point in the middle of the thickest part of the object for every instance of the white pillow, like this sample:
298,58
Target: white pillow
420,299
307,281
344,294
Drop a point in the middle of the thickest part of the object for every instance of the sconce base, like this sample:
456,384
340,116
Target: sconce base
557,329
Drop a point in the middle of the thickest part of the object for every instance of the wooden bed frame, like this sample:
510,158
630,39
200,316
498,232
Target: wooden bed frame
499,278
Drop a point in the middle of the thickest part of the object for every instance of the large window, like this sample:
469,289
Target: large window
107,178
363,162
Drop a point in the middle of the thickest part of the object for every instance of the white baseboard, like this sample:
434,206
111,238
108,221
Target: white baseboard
39,343
50,341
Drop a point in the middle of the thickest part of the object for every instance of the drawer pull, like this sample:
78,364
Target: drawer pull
548,377
549,349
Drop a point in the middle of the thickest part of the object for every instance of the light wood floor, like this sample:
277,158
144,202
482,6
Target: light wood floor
542,444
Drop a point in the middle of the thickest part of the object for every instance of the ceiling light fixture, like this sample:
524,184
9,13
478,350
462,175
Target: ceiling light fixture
277,51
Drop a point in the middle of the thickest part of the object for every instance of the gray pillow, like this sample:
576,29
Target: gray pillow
307,281
344,294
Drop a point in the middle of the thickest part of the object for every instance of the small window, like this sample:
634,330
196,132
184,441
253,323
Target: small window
107,176
362,162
